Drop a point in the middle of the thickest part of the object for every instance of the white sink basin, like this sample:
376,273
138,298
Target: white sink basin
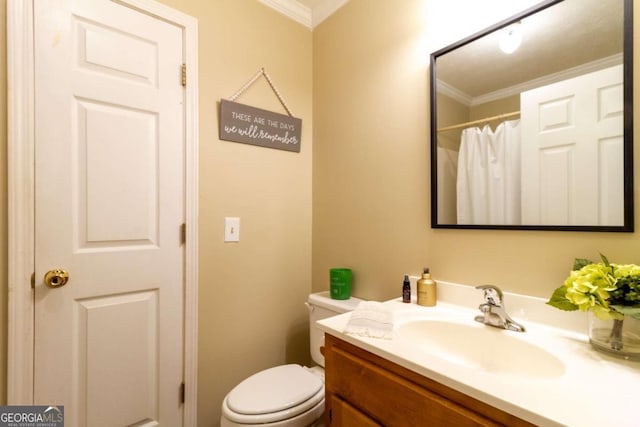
479,346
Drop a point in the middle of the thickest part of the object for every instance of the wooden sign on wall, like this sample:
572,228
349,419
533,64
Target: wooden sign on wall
250,125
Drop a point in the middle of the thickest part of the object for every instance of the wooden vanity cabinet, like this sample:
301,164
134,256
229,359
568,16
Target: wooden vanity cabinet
365,390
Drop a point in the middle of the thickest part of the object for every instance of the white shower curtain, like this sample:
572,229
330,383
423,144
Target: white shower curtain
488,185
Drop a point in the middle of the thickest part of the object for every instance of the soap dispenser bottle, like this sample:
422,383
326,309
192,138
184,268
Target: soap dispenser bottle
427,290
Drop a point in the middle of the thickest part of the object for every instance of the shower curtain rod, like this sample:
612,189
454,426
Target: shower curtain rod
476,122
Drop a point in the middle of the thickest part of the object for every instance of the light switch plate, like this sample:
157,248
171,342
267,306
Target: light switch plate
231,229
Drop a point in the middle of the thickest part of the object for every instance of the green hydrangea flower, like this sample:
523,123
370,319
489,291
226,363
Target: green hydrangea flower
627,292
589,289
611,291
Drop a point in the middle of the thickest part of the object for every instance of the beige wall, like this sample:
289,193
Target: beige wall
252,293
450,113
371,176
493,108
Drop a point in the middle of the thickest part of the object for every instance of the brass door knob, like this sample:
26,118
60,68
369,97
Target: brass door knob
56,278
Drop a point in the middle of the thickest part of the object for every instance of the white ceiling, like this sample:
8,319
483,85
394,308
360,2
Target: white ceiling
309,13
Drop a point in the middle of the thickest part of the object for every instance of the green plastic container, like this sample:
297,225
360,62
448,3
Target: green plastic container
340,283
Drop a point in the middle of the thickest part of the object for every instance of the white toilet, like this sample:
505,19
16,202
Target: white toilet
287,395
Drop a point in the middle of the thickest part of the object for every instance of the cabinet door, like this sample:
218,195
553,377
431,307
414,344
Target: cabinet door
390,398
343,414
363,389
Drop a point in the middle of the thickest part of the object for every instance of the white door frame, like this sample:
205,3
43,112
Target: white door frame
21,143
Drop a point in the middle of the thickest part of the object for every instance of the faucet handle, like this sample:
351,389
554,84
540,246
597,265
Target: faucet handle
492,294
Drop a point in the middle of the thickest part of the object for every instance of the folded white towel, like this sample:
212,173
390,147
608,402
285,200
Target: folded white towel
371,319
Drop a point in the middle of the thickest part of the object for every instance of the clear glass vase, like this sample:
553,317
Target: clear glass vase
616,337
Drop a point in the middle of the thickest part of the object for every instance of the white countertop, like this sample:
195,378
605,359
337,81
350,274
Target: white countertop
594,389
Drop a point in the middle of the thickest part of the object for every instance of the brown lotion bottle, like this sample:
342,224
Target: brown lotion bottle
427,291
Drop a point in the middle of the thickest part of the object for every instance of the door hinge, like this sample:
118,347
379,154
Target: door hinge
33,280
183,233
182,392
184,75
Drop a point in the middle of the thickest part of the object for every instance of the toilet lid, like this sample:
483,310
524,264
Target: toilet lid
273,390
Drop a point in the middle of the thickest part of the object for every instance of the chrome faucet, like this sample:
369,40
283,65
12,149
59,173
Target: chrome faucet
493,310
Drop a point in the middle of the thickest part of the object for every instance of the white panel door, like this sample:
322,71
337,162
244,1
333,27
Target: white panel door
572,151
109,203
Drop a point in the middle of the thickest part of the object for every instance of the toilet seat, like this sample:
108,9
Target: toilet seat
273,395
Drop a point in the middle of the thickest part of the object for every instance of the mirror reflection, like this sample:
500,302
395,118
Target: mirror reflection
531,122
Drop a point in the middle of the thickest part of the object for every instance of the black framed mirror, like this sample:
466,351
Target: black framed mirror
540,138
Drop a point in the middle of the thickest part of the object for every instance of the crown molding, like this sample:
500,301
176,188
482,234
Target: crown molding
302,14
454,93
470,101
550,78
291,9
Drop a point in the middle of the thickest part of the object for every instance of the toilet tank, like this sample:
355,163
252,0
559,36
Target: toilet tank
321,306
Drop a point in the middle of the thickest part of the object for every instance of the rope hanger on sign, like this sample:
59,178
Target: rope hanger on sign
252,80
